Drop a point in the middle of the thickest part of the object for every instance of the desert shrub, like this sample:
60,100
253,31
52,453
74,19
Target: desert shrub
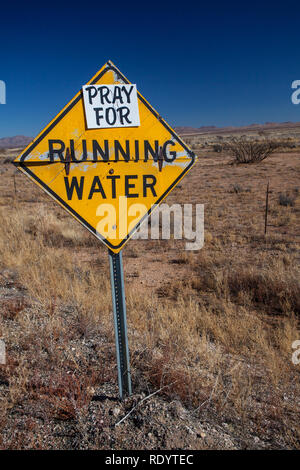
237,188
245,151
8,160
217,148
287,199
275,290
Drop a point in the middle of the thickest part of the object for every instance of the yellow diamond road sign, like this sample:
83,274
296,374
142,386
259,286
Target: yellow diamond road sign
108,158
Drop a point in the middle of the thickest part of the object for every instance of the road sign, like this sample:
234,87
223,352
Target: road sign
108,158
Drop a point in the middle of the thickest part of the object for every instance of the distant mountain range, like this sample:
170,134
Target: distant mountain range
19,141
15,142
185,130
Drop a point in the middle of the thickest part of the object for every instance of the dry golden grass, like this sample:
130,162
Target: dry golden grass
213,327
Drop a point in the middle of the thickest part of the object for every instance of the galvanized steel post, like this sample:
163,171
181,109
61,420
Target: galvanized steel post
267,209
119,310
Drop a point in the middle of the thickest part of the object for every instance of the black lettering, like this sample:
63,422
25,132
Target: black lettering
98,115
173,153
119,148
113,179
149,185
72,150
58,151
117,94
148,149
127,93
112,111
104,92
97,188
92,91
123,114
73,154
84,152
128,185
97,149
137,150
74,185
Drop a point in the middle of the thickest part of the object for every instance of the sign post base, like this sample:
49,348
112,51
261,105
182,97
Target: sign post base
120,323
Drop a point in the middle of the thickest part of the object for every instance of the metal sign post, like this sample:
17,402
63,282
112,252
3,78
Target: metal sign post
120,323
267,208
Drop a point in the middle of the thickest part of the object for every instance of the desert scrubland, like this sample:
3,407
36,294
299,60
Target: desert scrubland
210,331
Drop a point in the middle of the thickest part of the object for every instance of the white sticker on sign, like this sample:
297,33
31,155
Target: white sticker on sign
111,106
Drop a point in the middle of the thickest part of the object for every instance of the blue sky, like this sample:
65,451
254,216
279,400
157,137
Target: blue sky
215,64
